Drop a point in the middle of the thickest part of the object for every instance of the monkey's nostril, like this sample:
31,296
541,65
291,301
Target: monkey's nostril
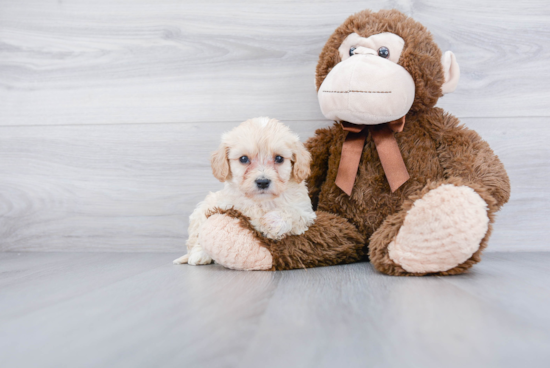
262,183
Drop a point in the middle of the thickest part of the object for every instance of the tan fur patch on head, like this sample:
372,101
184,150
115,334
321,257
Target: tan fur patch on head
302,162
220,163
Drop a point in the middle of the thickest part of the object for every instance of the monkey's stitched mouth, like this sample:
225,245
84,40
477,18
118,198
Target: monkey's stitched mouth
351,91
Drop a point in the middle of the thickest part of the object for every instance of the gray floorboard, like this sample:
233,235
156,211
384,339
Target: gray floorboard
139,310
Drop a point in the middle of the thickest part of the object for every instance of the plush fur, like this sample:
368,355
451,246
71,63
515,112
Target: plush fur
245,253
421,57
438,152
281,208
233,242
442,229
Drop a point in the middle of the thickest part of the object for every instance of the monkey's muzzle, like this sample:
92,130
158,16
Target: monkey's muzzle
366,90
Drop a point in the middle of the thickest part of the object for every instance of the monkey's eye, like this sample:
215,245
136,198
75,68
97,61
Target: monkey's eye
279,159
384,52
351,50
244,159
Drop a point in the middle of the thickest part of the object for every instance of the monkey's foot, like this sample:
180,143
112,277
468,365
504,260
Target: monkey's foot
441,230
230,244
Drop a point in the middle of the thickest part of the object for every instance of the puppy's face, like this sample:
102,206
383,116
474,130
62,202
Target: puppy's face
260,157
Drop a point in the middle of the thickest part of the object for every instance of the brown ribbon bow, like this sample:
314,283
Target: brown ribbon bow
388,151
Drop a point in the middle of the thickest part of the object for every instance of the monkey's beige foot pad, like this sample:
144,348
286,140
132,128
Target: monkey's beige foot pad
442,230
229,244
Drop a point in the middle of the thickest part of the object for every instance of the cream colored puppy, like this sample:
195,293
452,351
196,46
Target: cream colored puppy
263,166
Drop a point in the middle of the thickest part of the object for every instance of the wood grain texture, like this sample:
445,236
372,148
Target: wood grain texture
131,187
109,109
139,310
117,61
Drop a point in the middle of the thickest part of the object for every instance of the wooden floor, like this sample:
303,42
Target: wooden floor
139,310
109,110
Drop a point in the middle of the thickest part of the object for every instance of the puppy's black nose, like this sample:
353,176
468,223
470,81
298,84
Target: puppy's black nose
262,183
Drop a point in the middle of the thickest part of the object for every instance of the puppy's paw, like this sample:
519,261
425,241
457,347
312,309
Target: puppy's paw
181,260
274,225
199,258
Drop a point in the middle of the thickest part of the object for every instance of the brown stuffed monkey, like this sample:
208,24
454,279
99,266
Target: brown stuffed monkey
395,180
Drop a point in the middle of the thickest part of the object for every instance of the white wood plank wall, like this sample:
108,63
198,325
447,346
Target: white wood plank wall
109,109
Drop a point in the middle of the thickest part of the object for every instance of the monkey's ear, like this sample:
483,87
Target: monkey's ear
302,160
452,72
220,163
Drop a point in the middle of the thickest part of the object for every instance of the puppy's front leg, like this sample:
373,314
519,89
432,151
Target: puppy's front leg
275,224
195,256
182,260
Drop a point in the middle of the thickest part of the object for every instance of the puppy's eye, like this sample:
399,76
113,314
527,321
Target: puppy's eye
279,159
351,50
244,159
384,52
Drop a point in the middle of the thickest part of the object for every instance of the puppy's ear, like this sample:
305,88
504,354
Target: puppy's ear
302,161
220,163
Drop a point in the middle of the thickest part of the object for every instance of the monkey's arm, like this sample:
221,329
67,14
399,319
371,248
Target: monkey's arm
228,237
319,147
463,154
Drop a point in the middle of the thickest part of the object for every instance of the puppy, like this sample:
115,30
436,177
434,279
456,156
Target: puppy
263,166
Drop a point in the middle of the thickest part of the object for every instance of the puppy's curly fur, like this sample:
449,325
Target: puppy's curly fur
263,166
